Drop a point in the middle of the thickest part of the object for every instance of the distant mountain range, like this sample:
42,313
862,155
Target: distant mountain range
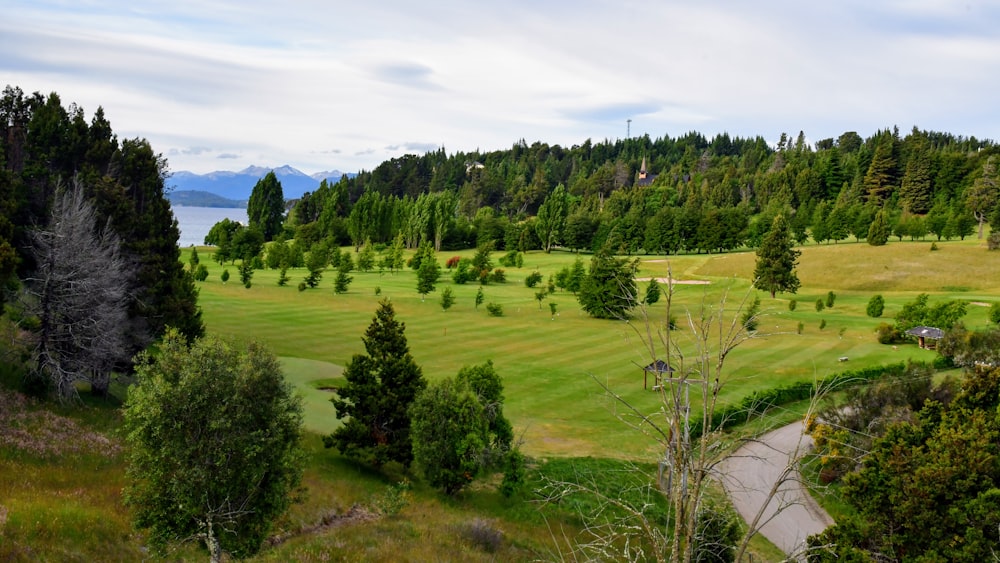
232,189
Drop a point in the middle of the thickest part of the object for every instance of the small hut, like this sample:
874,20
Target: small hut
925,333
657,368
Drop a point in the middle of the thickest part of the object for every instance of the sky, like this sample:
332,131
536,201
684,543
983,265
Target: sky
334,85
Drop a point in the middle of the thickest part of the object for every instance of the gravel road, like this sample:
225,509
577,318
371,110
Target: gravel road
749,476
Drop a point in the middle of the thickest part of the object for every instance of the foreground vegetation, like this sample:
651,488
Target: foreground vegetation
547,363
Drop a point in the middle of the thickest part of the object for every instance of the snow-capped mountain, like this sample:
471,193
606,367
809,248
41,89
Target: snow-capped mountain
237,186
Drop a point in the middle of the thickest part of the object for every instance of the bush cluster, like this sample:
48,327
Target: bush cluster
759,402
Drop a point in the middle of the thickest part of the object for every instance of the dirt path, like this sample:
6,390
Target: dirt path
749,476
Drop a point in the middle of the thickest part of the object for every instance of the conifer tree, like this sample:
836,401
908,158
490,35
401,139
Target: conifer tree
776,260
375,401
878,233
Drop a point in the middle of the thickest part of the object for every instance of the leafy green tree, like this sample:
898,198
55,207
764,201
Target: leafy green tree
876,305
316,263
579,230
479,297
551,219
577,273
193,261
246,273
366,256
830,298
214,453
449,434
878,232
447,298
981,199
375,400
540,296
278,252
928,489
201,273
343,279
608,291
481,262
820,305
428,275
533,279
776,260
820,224
266,208
225,276
995,313
395,257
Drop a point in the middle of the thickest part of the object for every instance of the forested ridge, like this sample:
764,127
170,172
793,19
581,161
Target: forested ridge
663,195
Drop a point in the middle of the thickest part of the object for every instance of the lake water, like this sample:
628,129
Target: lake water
195,222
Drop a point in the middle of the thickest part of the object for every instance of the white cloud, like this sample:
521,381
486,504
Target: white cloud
320,85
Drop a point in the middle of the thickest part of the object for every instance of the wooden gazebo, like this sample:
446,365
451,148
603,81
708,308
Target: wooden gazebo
923,333
657,368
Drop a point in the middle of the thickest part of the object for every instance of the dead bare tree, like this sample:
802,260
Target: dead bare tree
78,292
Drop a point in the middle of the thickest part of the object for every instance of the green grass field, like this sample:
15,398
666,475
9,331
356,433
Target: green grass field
66,506
549,364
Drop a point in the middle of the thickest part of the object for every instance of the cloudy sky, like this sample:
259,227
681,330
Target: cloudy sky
329,84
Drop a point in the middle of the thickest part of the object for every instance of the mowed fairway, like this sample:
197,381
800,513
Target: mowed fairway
549,365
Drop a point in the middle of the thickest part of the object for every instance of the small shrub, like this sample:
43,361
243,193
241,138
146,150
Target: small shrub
513,473
452,262
552,308
498,276
225,275
819,305
801,326
822,324
841,332
201,273
993,241
934,246
533,279
876,306
888,334
510,259
830,298
302,286
792,304
494,309
995,313
483,535
393,499
378,290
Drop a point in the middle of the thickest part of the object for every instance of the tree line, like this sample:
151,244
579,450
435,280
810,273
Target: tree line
696,195
81,208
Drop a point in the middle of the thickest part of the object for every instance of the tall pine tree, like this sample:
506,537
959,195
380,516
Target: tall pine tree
381,385
776,259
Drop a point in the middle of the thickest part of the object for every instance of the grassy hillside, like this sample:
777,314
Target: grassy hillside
549,364
61,470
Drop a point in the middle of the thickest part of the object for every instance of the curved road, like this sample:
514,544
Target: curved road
768,465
